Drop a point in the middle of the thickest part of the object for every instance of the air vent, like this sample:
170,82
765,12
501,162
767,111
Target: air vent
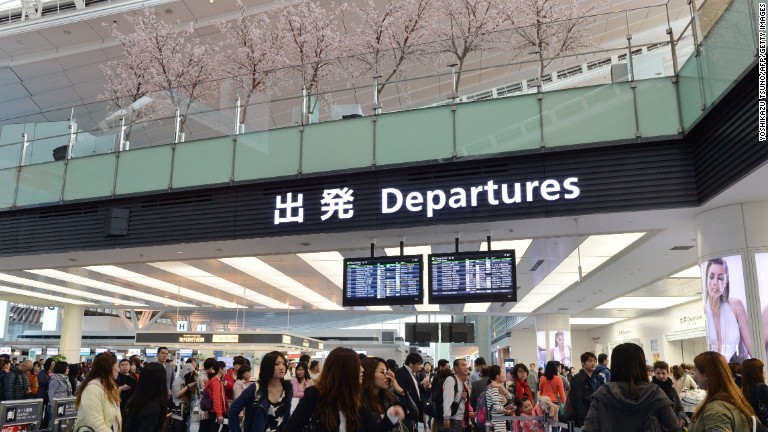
537,265
681,248
387,337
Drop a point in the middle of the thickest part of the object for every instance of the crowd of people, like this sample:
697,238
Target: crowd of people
354,392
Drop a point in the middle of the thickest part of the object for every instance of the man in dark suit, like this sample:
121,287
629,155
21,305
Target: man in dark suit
406,378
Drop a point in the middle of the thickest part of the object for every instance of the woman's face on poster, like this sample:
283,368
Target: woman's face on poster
717,279
559,340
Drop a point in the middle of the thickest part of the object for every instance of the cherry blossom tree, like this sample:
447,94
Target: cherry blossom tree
389,37
314,45
253,56
467,27
550,28
177,62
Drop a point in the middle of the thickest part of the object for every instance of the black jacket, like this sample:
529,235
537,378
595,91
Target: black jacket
613,409
148,420
371,420
669,390
16,385
580,396
403,377
303,414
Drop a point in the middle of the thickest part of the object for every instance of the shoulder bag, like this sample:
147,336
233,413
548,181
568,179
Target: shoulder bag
560,405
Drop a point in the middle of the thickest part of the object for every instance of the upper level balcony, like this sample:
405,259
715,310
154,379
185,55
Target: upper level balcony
654,85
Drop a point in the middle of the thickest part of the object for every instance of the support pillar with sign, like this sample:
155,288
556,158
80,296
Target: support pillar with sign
72,332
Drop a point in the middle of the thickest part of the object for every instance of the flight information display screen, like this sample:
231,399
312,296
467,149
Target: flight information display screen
383,281
472,277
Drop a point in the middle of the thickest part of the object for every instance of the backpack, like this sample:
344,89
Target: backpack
205,403
437,397
481,412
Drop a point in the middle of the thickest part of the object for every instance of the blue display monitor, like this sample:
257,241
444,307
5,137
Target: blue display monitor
383,281
472,277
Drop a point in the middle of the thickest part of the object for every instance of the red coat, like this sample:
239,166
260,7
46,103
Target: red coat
215,389
229,384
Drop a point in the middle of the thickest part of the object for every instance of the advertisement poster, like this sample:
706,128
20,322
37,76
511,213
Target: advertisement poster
560,347
725,308
655,353
761,263
541,343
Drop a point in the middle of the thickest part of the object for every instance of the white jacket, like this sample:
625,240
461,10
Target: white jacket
97,411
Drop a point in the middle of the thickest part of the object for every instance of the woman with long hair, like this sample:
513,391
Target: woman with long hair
98,398
32,378
333,404
267,403
74,376
753,386
383,396
301,380
724,407
726,317
628,402
146,410
43,379
215,389
521,389
551,385
561,352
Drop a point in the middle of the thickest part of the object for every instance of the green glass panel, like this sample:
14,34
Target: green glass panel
90,177
726,51
10,144
657,107
690,92
9,155
588,115
142,170
325,143
40,183
412,136
498,126
267,154
203,162
7,187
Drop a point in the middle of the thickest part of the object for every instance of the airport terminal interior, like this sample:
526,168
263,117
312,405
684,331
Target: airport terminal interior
457,179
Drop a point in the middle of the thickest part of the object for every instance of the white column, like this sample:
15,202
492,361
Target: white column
738,234
483,337
72,332
5,315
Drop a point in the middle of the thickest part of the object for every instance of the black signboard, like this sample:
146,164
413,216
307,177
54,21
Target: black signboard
21,412
182,338
63,408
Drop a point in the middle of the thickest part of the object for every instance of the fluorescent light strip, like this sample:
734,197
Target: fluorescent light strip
329,264
476,307
21,292
595,251
64,290
646,302
520,247
213,281
595,321
140,279
379,308
260,270
689,273
66,277
424,251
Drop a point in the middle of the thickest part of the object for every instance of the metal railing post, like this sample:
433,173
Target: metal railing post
237,116
304,106
177,133
24,144
455,79
122,142
376,102
72,134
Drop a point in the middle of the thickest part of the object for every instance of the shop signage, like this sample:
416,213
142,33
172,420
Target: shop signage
691,321
5,350
624,333
52,351
85,351
157,338
219,338
134,351
339,203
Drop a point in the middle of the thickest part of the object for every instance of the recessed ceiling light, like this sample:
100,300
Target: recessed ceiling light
594,321
692,272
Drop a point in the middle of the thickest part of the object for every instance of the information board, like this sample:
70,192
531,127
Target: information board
472,277
21,414
383,281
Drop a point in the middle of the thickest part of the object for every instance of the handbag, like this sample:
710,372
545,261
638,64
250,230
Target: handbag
762,410
560,405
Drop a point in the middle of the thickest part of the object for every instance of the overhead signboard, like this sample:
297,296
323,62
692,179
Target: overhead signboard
52,351
85,351
134,351
161,338
6,350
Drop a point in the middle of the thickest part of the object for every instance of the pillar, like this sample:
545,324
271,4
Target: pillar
5,316
551,329
483,337
72,332
737,234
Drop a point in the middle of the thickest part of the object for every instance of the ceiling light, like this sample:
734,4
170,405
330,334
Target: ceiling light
64,290
141,279
476,307
595,321
594,251
270,275
329,264
691,273
645,302
424,251
57,299
520,247
60,275
213,281
379,308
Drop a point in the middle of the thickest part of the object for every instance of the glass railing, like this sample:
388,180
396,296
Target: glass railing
611,94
